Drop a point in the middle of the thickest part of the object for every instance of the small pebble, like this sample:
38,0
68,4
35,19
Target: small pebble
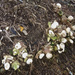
25,32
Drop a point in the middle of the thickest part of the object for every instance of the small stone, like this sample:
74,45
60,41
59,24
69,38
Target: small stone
25,32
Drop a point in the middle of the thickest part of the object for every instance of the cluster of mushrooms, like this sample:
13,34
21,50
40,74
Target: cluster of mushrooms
58,34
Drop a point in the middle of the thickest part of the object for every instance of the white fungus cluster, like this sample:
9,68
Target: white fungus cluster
23,53
60,34
63,36
57,37
7,61
48,55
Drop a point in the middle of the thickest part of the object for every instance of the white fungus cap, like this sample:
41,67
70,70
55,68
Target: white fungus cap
71,41
71,33
60,51
63,33
68,29
41,55
72,37
73,27
7,66
51,32
29,61
59,34
3,61
24,55
18,46
58,46
62,45
63,40
70,18
10,58
58,5
54,25
49,55
14,52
